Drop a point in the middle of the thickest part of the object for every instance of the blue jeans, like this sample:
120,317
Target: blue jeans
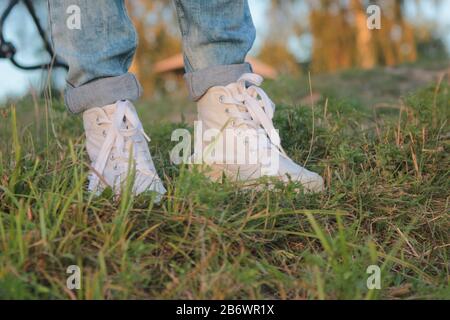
217,35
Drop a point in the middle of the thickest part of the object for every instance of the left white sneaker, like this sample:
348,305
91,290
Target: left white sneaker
239,113
114,133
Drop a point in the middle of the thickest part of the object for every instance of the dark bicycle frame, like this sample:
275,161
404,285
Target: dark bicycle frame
8,50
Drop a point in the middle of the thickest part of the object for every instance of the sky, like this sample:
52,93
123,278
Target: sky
15,82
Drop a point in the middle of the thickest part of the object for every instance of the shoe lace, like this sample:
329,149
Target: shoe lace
256,109
124,134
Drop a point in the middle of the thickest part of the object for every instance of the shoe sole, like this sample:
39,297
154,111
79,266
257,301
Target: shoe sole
216,174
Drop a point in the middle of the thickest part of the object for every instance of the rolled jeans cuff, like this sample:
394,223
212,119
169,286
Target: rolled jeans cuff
198,82
102,92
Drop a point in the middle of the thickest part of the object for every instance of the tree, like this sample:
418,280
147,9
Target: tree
282,25
159,38
342,39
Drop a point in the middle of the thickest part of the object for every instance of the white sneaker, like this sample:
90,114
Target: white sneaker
239,110
112,133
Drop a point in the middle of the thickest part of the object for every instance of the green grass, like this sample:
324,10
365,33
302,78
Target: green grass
387,204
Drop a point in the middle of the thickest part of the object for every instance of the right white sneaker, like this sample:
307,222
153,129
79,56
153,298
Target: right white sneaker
112,133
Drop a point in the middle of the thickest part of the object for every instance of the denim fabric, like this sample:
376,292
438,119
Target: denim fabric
217,34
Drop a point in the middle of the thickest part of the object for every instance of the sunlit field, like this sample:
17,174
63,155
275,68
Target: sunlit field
384,156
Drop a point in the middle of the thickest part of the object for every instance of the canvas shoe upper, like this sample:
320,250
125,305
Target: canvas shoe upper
114,140
241,115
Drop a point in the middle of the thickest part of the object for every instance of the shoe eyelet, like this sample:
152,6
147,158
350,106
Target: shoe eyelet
104,133
112,158
97,120
221,99
115,167
227,110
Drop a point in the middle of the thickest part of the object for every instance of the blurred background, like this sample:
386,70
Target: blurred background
293,37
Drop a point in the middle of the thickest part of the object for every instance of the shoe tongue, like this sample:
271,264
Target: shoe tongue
233,88
110,109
